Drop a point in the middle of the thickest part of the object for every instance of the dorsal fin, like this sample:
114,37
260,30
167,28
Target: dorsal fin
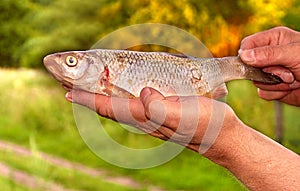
179,55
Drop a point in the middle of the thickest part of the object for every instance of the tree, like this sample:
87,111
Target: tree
60,26
292,17
13,32
30,29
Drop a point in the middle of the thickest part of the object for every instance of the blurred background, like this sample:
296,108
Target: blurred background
36,121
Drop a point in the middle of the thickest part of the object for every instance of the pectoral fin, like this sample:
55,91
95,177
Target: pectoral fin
113,90
119,92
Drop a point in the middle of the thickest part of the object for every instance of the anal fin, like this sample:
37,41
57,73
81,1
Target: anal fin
219,92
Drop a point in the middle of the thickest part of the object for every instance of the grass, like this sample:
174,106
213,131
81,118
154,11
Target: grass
8,185
34,111
68,178
253,111
292,128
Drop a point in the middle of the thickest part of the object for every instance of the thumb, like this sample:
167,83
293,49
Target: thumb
150,98
270,55
161,110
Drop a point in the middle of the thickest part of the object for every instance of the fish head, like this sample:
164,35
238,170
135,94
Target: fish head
68,67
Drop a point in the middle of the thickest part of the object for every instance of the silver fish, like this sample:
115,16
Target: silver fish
124,73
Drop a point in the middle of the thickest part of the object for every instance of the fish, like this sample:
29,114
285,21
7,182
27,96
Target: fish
124,73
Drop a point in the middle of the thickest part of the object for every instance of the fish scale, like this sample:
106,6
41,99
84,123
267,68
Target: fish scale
160,66
124,73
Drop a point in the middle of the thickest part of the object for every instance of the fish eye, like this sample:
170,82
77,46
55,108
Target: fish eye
71,61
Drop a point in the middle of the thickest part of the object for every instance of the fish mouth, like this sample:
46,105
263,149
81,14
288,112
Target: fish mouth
53,68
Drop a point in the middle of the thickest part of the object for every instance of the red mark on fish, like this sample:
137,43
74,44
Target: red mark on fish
106,72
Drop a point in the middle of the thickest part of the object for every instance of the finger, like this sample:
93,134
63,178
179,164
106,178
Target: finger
274,36
174,112
289,97
285,74
129,111
258,40
159,109
278,87
86,98
157,133
272,95
285,55
96,102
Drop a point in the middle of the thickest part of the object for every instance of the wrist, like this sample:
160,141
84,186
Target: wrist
224,148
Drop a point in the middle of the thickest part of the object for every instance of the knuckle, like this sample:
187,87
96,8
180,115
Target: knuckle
267,55
281,28
270,54
247,42
281,31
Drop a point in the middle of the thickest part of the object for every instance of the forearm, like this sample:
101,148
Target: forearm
259,162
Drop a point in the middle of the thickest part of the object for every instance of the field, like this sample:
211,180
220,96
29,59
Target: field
35,115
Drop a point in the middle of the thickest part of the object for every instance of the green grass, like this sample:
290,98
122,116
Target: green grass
33,110
8,185
68,178
292,128
253,111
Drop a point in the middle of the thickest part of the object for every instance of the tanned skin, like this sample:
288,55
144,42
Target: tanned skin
257,161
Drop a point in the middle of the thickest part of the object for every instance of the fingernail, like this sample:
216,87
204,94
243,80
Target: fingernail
287,77
247,56
69,96
240,51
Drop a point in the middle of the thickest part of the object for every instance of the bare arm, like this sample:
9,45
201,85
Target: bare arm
259,162
211,128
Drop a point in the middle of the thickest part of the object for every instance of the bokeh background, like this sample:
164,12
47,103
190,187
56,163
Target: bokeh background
36,121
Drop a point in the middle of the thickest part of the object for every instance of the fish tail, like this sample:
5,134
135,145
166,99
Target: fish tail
233,68
257,75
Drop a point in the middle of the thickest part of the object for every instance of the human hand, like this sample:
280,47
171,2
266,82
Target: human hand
277,51
206,126
194,122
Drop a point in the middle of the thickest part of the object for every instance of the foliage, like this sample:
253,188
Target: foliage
292,17
61,26
12,31
31,29
268,13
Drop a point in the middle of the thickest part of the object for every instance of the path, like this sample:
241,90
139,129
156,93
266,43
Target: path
29,181
34,182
